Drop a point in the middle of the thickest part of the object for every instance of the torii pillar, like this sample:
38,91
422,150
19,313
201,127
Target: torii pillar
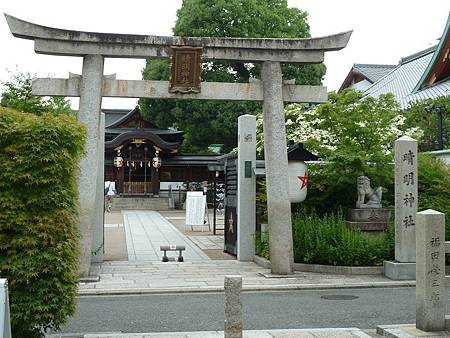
276,163
89,115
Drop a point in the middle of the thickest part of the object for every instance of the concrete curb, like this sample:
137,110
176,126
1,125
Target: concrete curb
245,288
408,331
330,269
328,332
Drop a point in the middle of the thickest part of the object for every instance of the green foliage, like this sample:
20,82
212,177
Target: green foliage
434,187
262,244
38,234
354,135
207,122
327,240
18,95
261,200
417,116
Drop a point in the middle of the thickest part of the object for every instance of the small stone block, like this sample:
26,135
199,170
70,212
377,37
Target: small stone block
399,271
233,307
431,291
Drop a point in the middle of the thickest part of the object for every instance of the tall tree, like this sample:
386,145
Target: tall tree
206,122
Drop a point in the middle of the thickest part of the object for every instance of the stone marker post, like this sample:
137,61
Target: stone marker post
246,188
89,115
233,307
403,268
5,322
405,199
431,292
278,204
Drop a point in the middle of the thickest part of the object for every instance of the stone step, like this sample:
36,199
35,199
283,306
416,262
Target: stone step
144,203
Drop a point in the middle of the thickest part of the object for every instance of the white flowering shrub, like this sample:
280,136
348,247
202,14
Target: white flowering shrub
354,134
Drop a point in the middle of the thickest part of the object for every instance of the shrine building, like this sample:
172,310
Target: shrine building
145,160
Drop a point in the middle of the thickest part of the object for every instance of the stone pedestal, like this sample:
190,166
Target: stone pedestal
372,221
399,271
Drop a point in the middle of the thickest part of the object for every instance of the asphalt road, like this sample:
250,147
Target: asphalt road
366,309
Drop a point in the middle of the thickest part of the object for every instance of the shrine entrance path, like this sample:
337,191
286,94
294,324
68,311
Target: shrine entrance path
146,230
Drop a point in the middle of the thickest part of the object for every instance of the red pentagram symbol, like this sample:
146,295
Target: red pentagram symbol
304,180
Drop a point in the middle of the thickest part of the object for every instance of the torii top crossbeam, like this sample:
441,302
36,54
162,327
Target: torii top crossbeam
57,41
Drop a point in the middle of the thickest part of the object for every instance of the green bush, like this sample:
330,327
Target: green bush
39,239
434,187
327,240
262,244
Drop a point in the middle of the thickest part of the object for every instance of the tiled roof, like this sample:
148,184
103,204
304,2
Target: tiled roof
435,91
402,80
113,115
408,81
373,72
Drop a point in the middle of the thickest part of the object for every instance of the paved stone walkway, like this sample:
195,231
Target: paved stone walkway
208,276
147,230
208,242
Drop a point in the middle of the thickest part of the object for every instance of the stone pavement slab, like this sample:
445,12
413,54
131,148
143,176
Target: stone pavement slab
208,276
147,230
303,333
408,331
209,242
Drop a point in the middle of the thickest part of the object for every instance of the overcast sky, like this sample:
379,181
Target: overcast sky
383,32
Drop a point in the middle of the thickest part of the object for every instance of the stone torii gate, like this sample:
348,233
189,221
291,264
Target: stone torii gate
92,86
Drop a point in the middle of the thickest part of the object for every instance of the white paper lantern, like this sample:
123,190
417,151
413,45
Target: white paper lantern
118,162
156,162
298,181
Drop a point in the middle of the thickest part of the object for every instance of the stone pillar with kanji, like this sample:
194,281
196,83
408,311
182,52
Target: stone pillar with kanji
406,201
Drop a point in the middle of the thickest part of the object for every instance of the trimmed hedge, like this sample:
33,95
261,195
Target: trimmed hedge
39,238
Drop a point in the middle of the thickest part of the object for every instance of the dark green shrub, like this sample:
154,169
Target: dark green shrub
434,187
327,240
261,200
262,244
39,157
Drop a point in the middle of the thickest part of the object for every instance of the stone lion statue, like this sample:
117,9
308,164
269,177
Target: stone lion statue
367,197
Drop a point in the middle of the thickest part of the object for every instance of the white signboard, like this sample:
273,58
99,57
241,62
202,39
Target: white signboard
195,208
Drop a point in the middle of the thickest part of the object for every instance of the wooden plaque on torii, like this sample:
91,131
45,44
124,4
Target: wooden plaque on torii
185,69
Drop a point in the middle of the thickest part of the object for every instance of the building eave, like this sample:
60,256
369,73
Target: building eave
436,56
